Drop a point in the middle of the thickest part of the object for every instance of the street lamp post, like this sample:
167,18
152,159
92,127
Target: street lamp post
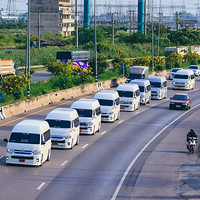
95,42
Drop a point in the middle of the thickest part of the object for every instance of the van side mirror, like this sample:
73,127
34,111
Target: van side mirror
43,142
5,140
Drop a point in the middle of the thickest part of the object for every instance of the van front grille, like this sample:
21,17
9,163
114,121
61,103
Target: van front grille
27,152
23,157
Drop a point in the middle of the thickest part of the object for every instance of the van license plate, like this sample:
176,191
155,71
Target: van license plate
21,160
179,87
55,143
178,106
122,107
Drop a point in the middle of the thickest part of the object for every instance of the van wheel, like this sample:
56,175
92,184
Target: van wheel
72,144
41,161
77,140
49,155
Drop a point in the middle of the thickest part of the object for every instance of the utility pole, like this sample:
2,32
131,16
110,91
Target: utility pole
133,21
159,29
177,20
95,42
113,28
145,17
76,21
28,51
152,48
130,20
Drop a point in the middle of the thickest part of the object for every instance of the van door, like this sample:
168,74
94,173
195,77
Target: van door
45,144
137,99
117,108
165,89
98,119
76,130
148,93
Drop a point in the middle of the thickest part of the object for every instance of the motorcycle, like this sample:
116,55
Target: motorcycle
191,145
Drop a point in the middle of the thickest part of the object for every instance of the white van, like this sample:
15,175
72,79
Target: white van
184,79
89,115
109,103
29,143
145,90
158,87
65,128
129,95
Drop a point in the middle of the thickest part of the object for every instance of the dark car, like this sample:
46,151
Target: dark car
180,101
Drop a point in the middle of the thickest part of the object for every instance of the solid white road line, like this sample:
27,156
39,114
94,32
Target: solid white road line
137,112
65,162
103,132
1,157
152,106
41,185
85,146
142,150
120,121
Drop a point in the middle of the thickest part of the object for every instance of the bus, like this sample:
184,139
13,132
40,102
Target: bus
77,58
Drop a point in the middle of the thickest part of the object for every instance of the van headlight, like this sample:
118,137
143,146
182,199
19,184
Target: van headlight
68,137
173,82
90,124
9,150
36,152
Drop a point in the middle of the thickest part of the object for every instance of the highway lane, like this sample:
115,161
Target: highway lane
93,169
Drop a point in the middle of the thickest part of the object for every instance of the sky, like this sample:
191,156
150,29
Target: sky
191,5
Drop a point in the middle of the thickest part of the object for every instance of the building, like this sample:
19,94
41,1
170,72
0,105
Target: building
51,15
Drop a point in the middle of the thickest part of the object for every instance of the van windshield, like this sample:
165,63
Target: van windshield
141,88
136,76
125,93
27,138
180,76
84,112
193,67
105,102
59,123
155,84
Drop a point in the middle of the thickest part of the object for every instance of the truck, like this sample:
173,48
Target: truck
138,72
7,67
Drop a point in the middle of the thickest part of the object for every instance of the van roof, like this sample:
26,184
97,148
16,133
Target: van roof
185,71
140,82
107,94
86,104
127,87
62,114
31,126
157,78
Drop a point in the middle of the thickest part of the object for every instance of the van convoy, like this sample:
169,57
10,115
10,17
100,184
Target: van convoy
145,90
129,95
89,115
158,87
184,80
65,127
109,104
31,141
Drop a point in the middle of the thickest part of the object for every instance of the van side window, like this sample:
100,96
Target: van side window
148,87
47,135
98,111
192,76
165,84
137,93
76,122
117,101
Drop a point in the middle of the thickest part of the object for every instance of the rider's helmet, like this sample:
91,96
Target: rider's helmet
191,130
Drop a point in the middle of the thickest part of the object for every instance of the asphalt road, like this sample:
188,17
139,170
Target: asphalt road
140,156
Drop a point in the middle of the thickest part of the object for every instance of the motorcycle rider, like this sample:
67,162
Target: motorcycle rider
191,133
